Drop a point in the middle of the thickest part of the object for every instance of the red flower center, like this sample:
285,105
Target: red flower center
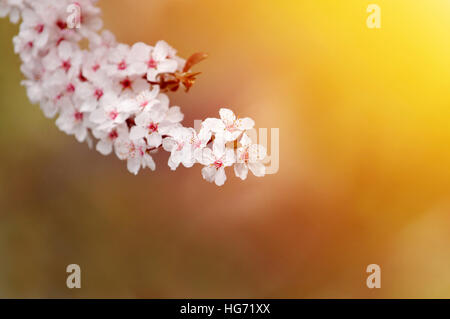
231,127
61,24
113,135
113,115
144,104
98,94
126,83
180,146
66,65
152,64
122,65
70,88
245,156
78,116
39,28
218,164
153,127
81,77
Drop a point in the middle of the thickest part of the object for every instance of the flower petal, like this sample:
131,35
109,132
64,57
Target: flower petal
209,173
227,115
104,147
154,140
245,124
167,66
137,132
258,169
241,171
133,165
160,51
220,177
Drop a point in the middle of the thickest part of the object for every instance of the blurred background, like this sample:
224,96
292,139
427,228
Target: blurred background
364,162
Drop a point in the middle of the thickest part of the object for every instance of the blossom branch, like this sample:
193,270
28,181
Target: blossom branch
113,95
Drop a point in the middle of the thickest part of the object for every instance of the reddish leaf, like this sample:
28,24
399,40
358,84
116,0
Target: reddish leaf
194,59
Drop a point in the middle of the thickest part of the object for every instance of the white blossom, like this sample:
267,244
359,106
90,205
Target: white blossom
108,138
11,8
73,121
135,153
215,161
230,127
249,156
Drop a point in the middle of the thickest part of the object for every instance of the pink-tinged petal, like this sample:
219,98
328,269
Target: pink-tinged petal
245,124
121,146
117,55
137,132
138,68
231,136
214,125
167,66
227,115
49,108
151,75
169,144
220,177
14,16
143,119
42,40
241,171
154,140
4,10
188,159
164,128
245,140
206,157
65,50
204,135
164,101
104,147
153,93
158,113
120,118
96,24
122,130
160,51
140,85
89,105
80,133
176,156
240,155
98,116
209,173
198,154
140,52
258,169
219,148
229,158
127,105
51,61
109,101
133,165
173,164
174,115
149,162
257,153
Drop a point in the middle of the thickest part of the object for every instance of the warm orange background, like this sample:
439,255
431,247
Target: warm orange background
364,168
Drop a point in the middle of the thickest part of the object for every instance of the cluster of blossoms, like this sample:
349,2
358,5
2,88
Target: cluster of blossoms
113,95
